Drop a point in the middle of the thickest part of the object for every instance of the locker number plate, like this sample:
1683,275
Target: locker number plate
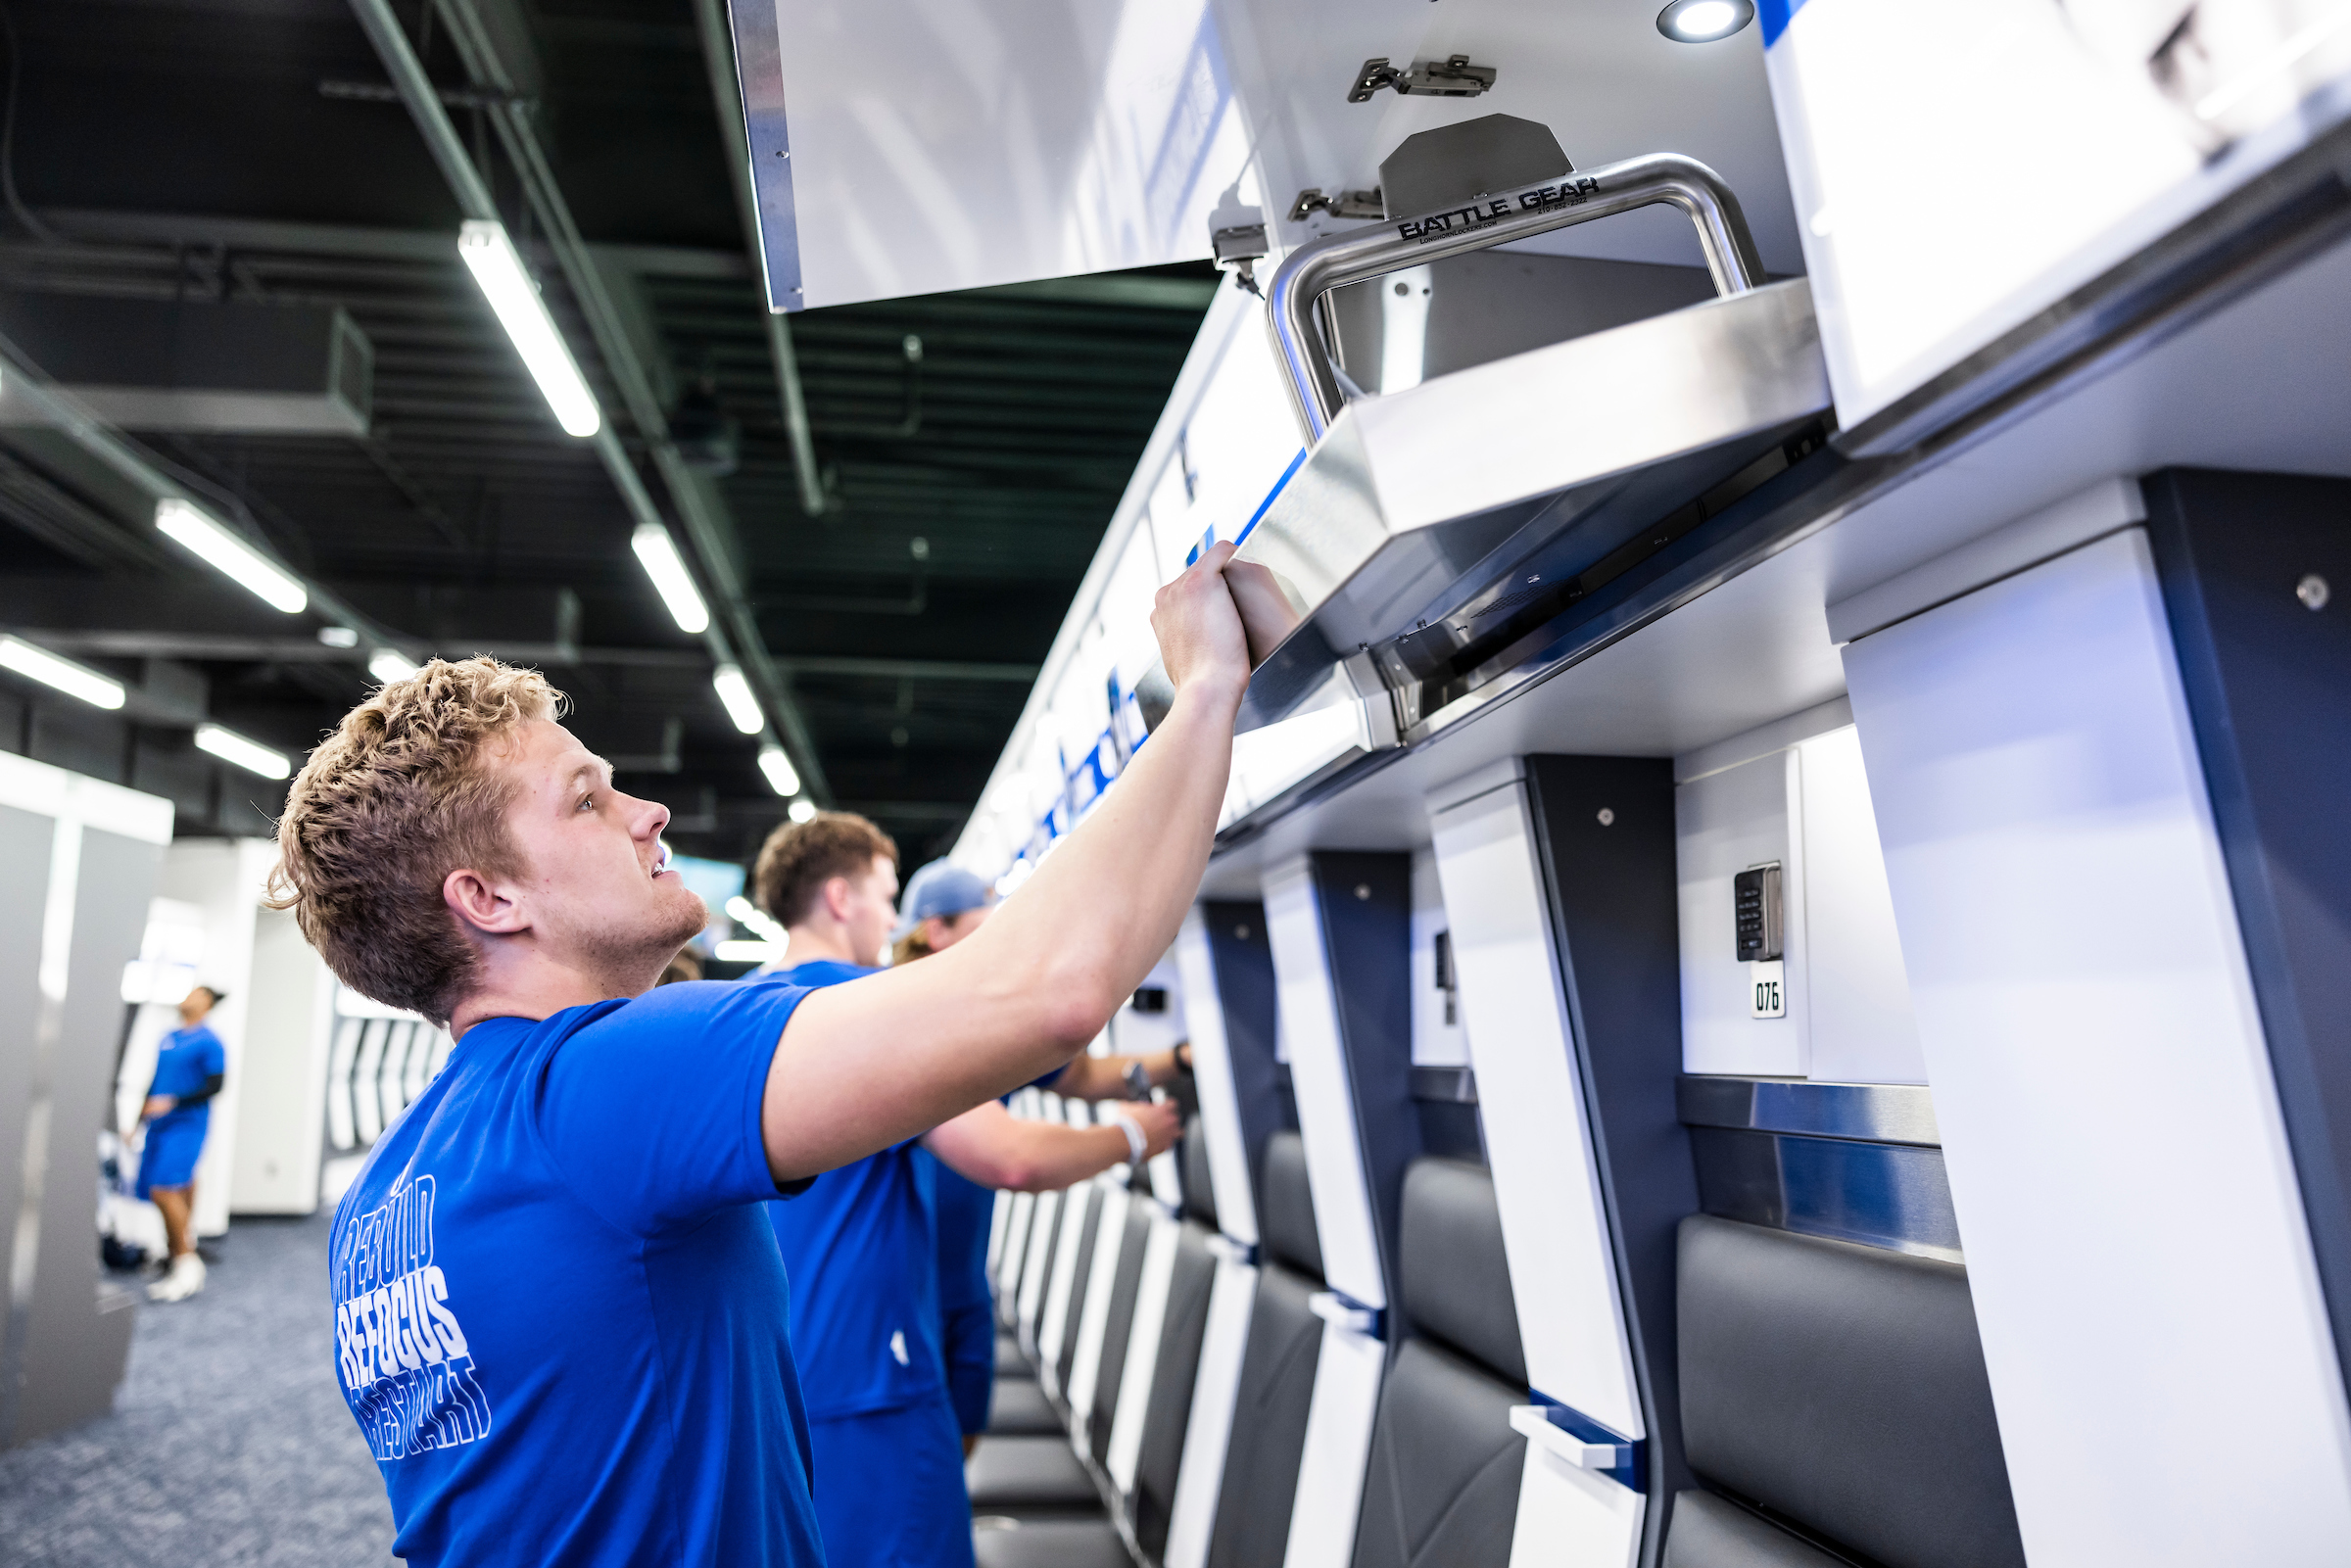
1767,990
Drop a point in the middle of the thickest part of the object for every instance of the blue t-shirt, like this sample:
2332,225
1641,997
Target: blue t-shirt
186,1058
559,1315
860,1248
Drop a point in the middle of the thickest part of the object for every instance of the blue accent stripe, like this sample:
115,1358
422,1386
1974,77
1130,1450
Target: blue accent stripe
1776,15
1295,464
1574,1421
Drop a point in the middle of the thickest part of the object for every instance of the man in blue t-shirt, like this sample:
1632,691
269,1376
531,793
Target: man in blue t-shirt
560,1317
189,1068
862,1246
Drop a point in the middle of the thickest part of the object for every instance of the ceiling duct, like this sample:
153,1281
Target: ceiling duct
194,366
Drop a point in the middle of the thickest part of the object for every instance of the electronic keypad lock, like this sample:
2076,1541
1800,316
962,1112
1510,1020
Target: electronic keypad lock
1756,897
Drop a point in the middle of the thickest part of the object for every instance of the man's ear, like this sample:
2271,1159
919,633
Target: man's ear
482,904
834,896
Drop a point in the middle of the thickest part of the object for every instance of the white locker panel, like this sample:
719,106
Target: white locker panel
1310,1028
1094,1323
1338,1446
1142,1353
1538,1137
2135,1245
1724,824
1437,1040
1571,1518
1200,1476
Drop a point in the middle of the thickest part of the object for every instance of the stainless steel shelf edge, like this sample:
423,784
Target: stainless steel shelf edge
1873,1113
1415,504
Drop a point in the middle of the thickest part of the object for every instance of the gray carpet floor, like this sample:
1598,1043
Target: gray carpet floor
230,1443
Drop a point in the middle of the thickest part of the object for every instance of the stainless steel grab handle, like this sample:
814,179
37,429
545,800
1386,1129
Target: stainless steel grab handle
1313,270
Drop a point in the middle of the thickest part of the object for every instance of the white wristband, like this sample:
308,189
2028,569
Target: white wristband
1136,1144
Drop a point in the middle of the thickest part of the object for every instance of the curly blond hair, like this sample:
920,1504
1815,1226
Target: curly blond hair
391,803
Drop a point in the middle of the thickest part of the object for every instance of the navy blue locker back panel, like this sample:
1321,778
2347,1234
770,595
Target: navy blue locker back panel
1605,830
1366,906
1244,959
2256,575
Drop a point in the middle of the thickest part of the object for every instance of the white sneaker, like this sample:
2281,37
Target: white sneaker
185,1279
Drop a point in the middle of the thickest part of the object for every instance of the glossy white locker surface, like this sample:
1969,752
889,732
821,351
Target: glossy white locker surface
1571,1518
1216,1392
1141,1365
1336,1450
1036,1266
1053,1322
968,142
1093,1320
1530,1098
2141,1272
1212,1076
1310,1028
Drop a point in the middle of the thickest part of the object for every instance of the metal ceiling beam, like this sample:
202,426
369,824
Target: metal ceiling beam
734,634
165,645
718,55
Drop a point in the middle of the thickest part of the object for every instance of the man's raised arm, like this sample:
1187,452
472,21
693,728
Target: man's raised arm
863,1065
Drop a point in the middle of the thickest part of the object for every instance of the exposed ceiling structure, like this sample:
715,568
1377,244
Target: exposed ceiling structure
201,162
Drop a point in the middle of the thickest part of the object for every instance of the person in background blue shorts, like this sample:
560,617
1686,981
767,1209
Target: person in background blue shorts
862,1246
189,1068
943,904
559,1315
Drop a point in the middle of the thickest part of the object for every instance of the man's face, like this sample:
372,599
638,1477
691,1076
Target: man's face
870,909
943,931
194,1006
595,880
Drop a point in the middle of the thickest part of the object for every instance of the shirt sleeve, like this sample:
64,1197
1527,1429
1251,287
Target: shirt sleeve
651,1112
214,1060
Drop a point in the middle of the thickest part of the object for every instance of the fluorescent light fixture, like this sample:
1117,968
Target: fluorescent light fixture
741,910
743,707
750,952
389,664
658,554
250,755
498,267
801,810
39,664
338,636
224,553
781,777
1705,21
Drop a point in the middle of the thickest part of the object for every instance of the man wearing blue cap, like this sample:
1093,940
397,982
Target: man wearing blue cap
942,905
860,1246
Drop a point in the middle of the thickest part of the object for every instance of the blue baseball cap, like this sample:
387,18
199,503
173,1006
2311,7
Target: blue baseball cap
942,888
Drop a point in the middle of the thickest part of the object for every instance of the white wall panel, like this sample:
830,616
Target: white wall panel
1310,1026
1531,1097
1141,1365
1861,1028
2141,1272
1723,824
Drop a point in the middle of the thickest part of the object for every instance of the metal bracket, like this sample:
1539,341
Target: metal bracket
1226,1249
1237,250
1341,204
1451,77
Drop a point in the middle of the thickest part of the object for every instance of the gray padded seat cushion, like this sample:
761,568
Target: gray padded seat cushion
1269,1423
1005,1474
1169,1415
1199,1192
1456,1284
1020,1409
1709,1533
1286,1222
1842,1387
1442,1489
1048,1544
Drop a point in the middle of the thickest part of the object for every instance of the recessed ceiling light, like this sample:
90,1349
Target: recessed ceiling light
250,755
735,694
389,664
226,554
1705,21
39,664
781,777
